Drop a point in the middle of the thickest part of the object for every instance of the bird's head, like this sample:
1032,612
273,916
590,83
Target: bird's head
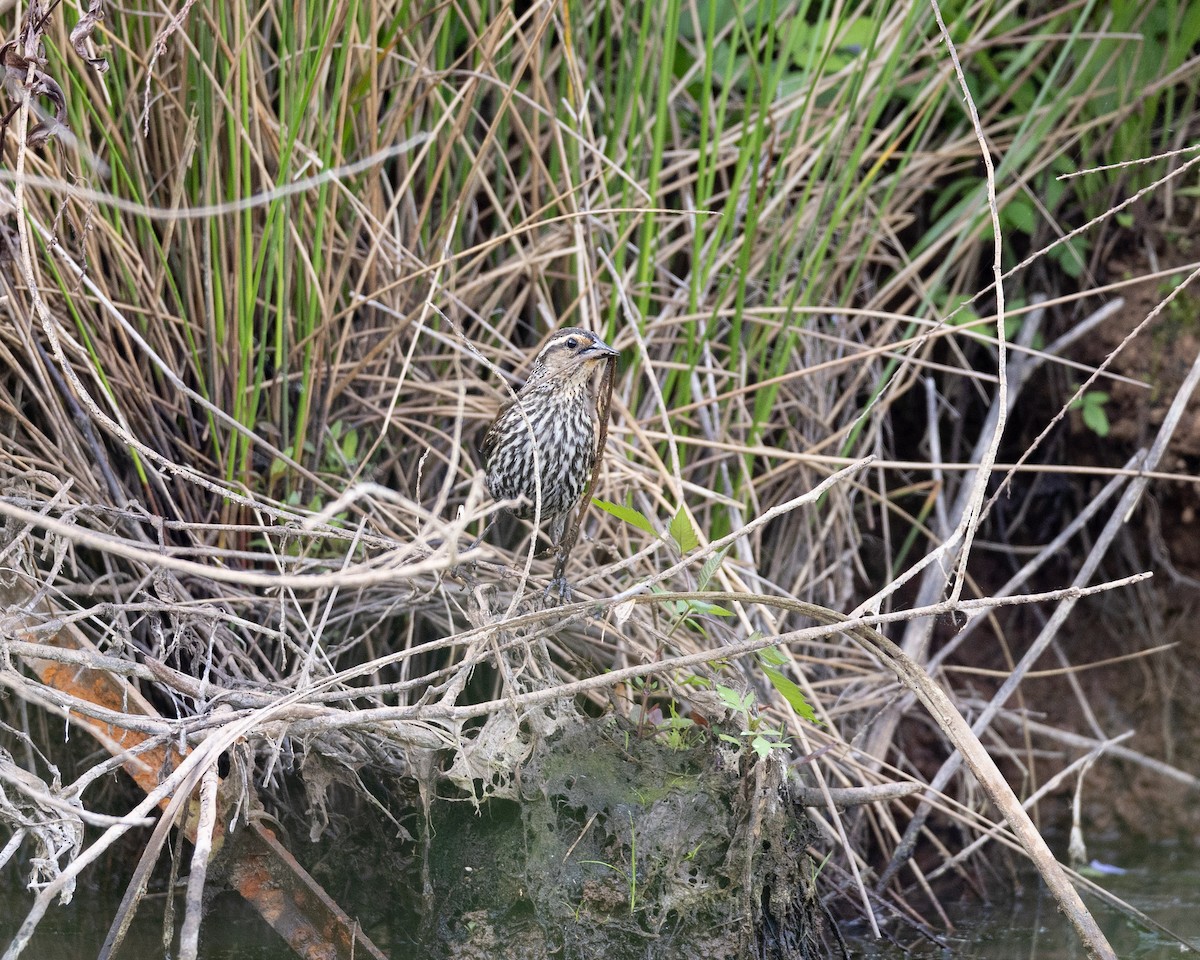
572,355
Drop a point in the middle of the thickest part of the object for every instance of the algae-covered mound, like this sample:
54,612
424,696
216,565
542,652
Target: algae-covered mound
620,845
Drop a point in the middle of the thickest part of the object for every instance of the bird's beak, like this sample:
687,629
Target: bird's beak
599,350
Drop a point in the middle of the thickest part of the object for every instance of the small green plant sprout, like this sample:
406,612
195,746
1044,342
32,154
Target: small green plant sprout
630,515
339,457
682,534
342,451
630,877
711,565
817,868
680,530
770,659
279,465
686,611
736,702
1091,407
1021,216
964,316
1182,310
761,738
677,732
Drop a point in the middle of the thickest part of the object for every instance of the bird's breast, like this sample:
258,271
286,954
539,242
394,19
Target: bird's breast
560,422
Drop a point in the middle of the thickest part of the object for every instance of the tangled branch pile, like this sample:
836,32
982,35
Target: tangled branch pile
268,276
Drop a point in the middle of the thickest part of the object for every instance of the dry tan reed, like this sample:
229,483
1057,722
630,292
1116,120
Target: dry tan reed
268,283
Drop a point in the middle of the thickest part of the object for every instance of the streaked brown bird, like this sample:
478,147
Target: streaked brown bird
554,413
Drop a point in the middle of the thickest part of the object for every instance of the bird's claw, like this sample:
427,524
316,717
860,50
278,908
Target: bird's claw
558,587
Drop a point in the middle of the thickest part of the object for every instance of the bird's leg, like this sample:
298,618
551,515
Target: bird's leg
558,583
557,527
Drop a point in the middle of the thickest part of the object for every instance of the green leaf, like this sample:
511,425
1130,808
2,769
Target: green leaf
737,702
683,533
763,747
692,607
1019,213
628,514
729,67
1071,256
965,317
727,12
710,568
1091,408
791,693
858,37
713,609
809,43
770,656
1095,419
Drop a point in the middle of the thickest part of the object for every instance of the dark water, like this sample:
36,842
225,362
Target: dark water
1162,881
231,931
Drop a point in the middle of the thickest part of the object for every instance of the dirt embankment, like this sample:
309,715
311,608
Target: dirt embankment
1156,695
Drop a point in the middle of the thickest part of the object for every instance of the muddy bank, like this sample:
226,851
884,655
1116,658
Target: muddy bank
621,844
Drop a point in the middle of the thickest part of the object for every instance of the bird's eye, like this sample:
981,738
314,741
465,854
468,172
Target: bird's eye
572,343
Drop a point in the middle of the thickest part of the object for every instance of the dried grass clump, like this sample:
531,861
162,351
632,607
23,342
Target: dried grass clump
275,270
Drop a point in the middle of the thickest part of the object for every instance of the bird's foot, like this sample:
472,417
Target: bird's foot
560,588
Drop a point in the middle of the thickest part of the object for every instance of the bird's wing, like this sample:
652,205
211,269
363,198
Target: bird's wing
492,434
